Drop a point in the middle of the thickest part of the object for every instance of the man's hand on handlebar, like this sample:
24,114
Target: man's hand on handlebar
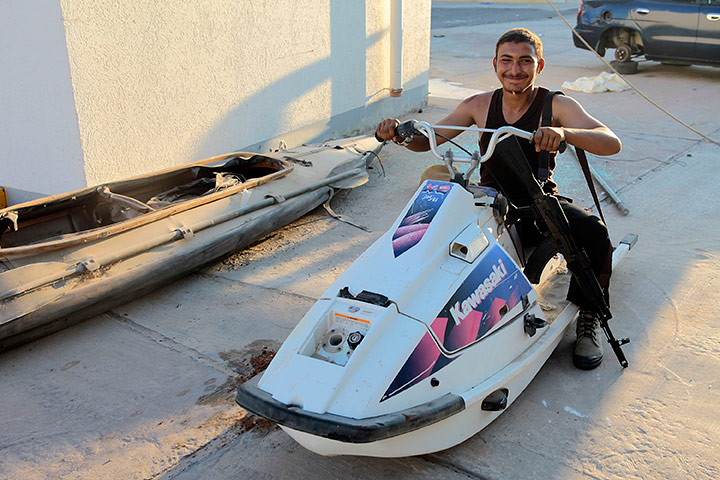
387,130
548,138
421,136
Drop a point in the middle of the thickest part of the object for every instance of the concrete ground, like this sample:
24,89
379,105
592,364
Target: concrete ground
146,390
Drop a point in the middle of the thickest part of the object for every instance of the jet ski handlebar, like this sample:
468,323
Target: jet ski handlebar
428,131
410,128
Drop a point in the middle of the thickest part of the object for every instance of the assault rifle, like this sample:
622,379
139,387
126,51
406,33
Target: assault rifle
548,208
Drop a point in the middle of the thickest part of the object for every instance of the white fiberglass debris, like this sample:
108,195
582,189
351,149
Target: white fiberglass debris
605,82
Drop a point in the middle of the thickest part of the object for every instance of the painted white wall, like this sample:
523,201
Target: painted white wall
157,84
40,149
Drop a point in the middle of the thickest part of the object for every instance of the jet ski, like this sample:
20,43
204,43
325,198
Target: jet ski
426,338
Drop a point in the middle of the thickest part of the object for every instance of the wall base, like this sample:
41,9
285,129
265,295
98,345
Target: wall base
354,122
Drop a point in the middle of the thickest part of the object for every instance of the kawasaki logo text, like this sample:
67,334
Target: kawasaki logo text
485,288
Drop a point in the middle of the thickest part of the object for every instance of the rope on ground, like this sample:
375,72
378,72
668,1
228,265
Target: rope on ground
338,217
382,167
652,102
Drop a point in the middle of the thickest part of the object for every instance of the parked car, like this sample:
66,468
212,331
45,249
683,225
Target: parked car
680,32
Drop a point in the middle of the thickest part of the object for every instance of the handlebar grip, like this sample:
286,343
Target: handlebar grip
406,129
561,148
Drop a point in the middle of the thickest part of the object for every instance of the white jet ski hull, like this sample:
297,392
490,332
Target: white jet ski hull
453,336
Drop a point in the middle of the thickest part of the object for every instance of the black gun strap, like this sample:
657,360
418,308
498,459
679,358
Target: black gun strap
582,159
546,120
543,160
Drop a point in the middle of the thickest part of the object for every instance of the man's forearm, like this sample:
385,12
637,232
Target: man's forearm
598,141
419,144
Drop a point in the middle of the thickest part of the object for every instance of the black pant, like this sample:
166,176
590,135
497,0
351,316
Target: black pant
591,234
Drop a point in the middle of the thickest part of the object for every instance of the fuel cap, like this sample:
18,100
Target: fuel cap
354,339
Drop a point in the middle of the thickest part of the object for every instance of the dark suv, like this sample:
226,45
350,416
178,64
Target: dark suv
669,31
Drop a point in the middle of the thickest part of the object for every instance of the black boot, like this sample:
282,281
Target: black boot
588,351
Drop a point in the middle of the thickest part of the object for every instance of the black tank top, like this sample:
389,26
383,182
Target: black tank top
528,122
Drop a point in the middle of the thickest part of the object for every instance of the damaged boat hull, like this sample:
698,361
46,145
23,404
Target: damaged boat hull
56,283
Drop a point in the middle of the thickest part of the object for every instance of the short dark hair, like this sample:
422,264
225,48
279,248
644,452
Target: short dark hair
521,35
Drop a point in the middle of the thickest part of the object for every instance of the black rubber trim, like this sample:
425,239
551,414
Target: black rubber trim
345,429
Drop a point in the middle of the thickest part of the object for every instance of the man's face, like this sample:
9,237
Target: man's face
517,65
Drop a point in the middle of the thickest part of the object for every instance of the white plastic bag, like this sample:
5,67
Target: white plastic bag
605,82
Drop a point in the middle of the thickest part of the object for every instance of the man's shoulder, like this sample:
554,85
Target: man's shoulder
567,111
476,107
563,101
478,101
481,97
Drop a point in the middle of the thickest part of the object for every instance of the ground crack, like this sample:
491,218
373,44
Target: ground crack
171,344
224,279
441,462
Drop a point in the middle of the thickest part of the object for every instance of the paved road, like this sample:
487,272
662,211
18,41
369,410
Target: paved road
466,14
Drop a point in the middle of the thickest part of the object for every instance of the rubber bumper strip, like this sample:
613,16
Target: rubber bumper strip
346,429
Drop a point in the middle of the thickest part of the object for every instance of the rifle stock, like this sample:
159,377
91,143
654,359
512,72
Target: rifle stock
548,208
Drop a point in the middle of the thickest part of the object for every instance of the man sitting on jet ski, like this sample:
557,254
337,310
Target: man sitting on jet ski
519,103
